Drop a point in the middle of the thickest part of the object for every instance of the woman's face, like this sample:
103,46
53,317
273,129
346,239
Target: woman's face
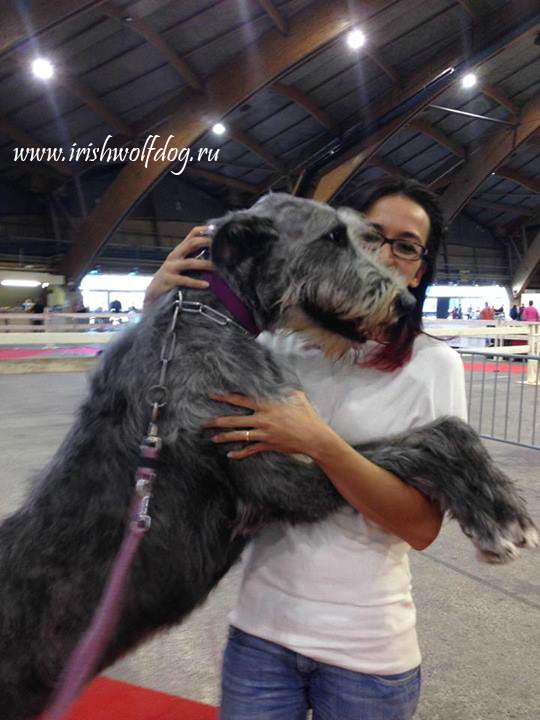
398,217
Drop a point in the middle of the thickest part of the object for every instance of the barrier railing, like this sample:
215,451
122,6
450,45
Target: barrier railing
52,328
503,396
502,381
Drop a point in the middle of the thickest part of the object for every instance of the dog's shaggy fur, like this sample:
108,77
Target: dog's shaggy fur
296,263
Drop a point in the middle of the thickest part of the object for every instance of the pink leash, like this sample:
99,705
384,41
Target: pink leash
86,656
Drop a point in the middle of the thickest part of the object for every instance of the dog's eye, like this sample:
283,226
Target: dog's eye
338,236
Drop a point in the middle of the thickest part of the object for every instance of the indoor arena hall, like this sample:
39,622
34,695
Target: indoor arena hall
270,298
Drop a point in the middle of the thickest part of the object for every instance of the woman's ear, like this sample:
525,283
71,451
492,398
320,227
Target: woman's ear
415,282
242,239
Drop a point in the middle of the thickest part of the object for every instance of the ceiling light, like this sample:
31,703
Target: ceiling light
219,129
20,283
42,69
355,39
45,285
469,80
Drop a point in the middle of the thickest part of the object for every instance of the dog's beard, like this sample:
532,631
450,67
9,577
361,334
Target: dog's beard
332,345
341,332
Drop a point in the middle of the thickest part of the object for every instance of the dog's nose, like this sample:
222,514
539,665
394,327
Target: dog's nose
405,302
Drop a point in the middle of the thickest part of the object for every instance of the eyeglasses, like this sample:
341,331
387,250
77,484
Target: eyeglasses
402,249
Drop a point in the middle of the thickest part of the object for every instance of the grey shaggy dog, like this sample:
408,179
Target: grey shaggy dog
297,264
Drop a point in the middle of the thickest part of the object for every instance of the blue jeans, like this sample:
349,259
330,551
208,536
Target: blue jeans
265,681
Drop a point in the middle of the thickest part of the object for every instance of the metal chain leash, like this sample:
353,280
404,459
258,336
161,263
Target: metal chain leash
158,397
151,445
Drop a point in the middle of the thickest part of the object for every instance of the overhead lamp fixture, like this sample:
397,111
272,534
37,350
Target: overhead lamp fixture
20,283
42,69
355,39
219,129
469,80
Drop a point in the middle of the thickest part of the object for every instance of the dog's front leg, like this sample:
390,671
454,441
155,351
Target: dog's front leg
447,461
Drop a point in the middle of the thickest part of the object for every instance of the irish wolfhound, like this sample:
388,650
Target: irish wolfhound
296,264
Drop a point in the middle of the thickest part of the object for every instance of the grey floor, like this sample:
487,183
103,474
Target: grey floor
479,625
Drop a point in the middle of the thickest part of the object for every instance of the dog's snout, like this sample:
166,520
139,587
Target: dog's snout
405,302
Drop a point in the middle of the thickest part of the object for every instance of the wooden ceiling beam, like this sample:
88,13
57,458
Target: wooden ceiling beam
534,140
300,98
25,140
277,18
500,97
231,84
527,266
378,59
526,182
488,159
89,98
223,180
388,167
244,138
426,128
501,207
141,26
503,26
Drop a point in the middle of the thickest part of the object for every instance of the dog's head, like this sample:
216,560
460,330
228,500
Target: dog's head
301,265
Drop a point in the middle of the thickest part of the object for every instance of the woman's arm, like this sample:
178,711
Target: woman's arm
294,426
378,494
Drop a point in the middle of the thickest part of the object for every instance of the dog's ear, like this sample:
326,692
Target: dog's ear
242,239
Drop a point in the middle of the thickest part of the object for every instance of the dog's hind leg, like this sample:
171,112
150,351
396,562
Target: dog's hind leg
447,461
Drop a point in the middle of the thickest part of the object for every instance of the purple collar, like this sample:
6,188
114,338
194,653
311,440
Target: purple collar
241,313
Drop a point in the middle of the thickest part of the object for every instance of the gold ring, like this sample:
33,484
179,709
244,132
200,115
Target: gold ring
247,435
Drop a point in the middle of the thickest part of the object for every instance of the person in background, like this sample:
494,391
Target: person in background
487,312
514,312
115,306
530,313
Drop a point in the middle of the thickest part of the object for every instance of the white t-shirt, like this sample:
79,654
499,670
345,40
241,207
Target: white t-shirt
339,591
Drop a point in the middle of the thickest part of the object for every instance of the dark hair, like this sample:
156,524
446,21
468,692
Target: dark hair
396,350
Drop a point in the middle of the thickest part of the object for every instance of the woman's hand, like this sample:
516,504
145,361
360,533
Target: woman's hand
170,274
289,426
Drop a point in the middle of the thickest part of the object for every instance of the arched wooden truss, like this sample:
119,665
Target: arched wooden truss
231,84
287,43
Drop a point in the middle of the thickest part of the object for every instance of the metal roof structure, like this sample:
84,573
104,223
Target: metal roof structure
304,112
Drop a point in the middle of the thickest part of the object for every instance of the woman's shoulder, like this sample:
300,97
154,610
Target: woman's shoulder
432,352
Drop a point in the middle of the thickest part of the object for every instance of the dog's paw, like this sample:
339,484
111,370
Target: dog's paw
504,545
530,538
523,534
501,551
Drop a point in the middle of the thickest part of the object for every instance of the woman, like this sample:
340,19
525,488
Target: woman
325,617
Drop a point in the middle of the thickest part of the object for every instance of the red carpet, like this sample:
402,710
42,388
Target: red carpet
25,353
107,699
518,367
